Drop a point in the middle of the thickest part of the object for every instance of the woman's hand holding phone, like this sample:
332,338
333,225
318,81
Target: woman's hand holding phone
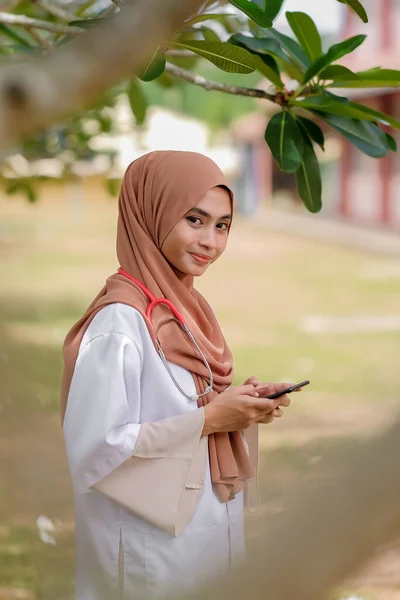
237,408
275,391
240,406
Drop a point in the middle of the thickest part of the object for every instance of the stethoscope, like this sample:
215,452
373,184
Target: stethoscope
178,317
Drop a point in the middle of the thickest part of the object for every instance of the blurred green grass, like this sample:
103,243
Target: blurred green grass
54,260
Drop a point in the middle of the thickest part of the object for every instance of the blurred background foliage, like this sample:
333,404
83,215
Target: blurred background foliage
299,74
57,253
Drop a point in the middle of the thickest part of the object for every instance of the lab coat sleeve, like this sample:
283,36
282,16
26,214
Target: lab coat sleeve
108,449
100,426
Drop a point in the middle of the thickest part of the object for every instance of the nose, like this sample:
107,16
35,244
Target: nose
208,238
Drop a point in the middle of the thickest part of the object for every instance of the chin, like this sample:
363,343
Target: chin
197,269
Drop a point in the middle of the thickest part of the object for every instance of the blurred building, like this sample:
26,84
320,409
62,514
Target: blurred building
369,188
85,179
356,187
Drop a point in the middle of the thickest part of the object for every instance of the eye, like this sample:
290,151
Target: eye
194,220
223,226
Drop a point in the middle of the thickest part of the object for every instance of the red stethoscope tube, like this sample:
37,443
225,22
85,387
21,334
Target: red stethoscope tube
153,303
153,300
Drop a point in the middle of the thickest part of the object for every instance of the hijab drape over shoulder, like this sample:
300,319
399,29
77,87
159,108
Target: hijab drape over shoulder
158,189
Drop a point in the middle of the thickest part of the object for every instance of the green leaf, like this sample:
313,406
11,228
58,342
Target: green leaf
292,48
209,34
336,98
291,70
334,53
267,66
308,179
88,23
377,115
202,18
366,136
185,62
264,63
8,49
313,131
337,72
15,36
113,186
230,22
22,187
306,32
285,140
105,121
154,68
257,14
272,8
64,39
357,7
343,107
137,100
83,8
258,45
222,54
391,142
165,81
370,78
333,107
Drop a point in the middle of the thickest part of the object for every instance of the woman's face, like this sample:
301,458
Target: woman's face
200,237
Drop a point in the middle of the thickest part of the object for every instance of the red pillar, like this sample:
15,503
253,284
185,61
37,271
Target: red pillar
386,167
266,158
345,167
348,23
387,29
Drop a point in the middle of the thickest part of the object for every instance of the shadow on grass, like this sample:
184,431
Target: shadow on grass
34,472
30,373
35,479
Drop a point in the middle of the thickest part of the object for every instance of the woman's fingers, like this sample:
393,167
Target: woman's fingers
253,380
278,412
283,401
267,419
266,388
247,390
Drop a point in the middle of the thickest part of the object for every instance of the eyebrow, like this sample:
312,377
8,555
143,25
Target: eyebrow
203,213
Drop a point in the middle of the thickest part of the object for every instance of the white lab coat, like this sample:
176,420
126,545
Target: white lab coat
118,383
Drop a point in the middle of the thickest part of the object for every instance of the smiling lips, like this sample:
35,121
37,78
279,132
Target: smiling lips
201,258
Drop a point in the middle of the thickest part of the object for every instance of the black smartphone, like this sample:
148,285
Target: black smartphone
288,390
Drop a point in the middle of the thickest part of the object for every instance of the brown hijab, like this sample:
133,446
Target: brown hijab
158,189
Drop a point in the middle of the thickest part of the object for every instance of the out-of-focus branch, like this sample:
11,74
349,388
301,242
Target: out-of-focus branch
55,10
220,87
27,22
35,94
9,6
180,53
329,532
44,44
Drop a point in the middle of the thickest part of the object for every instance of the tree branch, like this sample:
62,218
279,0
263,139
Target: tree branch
221,87
328,530
44,44
27,22
180,53
40,91
9,6
56,11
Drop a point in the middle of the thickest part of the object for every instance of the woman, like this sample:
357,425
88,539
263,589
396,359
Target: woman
155,445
